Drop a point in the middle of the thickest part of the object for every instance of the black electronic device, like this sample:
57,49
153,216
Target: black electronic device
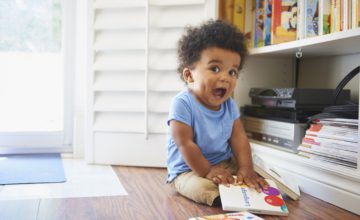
296,98
281,114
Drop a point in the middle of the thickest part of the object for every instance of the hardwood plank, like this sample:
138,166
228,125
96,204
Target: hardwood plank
151,198
66,208
19,209
148,191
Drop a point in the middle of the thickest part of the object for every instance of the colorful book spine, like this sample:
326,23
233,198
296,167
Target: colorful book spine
249,23
326,16
335,16
357,13
284,21
239,14
349,14
226,8
259,23
267,22
312,18
300,20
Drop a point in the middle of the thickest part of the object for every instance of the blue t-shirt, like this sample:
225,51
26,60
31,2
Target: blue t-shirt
211,130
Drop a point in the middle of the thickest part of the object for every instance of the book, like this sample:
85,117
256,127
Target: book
259,24
235,215
226,8
286,184
236,197
283,21
347,156
312,18
300,30
267,22
326,16
249,23
333,132
331,143
239,15
330,160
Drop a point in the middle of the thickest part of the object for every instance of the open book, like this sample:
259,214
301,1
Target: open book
286,184
242,198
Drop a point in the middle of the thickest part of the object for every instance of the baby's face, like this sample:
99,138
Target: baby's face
214,76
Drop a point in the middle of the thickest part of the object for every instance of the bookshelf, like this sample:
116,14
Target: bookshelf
338,43
324,58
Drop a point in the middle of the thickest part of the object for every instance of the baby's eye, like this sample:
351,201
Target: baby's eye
233,73
215,69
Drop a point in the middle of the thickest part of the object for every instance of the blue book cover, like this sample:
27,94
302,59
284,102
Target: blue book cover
259,24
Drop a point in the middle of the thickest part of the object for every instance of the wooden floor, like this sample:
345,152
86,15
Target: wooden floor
149,198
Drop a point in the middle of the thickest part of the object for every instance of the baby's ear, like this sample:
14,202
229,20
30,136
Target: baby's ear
187,75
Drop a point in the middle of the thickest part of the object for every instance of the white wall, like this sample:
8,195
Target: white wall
262,72
327,72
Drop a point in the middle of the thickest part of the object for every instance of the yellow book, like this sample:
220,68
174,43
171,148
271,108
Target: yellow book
239,14
226,10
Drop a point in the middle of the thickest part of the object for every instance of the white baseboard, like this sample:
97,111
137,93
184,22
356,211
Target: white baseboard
327,193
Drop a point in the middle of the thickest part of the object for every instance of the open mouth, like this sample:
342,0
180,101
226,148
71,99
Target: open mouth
219,92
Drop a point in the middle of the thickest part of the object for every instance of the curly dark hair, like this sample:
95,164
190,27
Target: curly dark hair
213,33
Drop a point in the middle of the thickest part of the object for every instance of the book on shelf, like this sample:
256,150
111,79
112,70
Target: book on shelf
284,21
300,20
339,122
330,160
227,216
267,22
226,10
286,184
239,15
312,18
333,132
259,24
326,16
332,140
356,13
237,197
330,143
347,156
249,23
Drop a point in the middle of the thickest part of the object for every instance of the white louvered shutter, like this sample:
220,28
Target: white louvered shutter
133,78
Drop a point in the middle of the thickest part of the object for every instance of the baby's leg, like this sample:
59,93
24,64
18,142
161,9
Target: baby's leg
198,189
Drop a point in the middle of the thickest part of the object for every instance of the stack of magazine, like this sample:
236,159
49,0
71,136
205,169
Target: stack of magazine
332,140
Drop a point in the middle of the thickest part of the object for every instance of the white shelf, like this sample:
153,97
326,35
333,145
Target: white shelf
339,43
292,158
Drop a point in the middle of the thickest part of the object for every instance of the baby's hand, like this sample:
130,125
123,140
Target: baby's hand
220,175
250,178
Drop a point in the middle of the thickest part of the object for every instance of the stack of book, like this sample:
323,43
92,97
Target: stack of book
333,140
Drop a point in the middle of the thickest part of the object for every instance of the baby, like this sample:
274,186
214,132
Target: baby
207,143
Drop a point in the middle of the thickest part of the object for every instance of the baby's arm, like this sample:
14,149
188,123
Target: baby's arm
241,149
183,137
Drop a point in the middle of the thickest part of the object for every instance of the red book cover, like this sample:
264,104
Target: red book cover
284,21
